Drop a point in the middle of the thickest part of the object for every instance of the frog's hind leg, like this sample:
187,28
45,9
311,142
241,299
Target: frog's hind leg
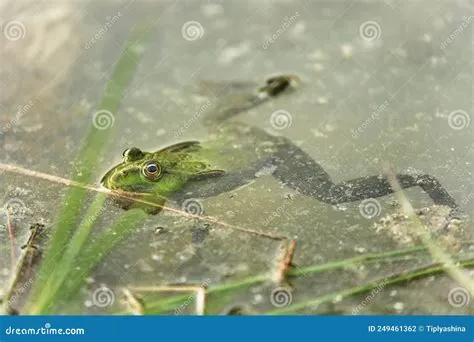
300,172
378,186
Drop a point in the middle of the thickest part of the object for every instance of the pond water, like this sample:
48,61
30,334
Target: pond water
384,83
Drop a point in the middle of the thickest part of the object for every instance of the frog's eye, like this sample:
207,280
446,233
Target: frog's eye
152,171
132,154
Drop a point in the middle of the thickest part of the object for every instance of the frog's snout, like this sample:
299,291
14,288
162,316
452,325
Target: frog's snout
112,179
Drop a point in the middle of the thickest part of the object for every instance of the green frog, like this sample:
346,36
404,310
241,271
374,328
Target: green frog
236,154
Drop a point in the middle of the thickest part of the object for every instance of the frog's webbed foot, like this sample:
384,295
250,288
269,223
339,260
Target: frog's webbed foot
377,186
199,232
278,84
200,228
236,98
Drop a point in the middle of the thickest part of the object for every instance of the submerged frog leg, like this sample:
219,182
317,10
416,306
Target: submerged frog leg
298,171
199,231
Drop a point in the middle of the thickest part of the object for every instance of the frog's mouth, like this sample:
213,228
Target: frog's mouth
126,199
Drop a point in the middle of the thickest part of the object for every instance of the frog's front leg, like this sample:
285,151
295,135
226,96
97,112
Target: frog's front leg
300,172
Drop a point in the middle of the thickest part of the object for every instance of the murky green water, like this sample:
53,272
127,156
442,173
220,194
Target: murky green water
385,83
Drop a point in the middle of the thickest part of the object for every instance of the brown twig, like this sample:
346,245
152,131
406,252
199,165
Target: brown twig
283,266
287,251
11,235
134,304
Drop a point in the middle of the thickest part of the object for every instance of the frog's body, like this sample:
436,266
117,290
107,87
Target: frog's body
233,157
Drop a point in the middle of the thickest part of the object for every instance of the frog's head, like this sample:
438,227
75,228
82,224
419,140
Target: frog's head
155,176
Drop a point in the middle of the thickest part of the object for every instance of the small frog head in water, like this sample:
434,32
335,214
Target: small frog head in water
155,176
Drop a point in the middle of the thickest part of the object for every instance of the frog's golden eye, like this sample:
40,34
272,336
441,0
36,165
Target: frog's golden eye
152,170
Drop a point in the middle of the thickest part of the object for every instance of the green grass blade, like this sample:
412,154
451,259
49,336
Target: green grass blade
90,257
89,156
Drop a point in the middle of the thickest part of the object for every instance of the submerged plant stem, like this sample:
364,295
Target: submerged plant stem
393,280
165,305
